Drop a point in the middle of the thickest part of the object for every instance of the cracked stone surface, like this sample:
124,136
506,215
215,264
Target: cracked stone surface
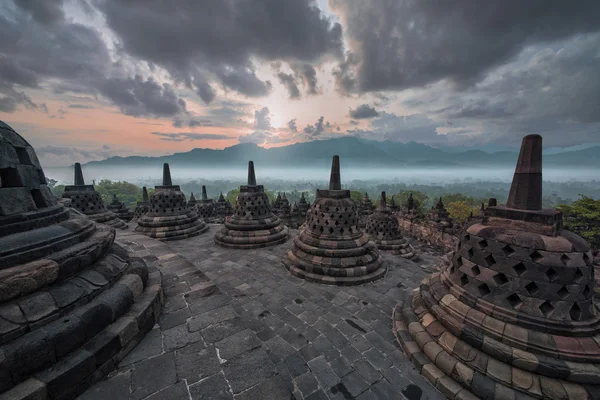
264,334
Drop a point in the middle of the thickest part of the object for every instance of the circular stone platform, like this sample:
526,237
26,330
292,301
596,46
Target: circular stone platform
331,248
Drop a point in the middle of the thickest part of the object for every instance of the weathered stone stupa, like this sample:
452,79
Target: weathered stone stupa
512,316
222,207
393,207
439,215
284,210
72,302
86,200
383,229
119,208
253,225
192,201
142,206
331,248
169,217
303,205
205,207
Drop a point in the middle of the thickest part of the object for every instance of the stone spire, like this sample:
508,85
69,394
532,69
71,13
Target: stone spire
204,196
166,181
410,204
526,189
251,174
145,198
382,202
78,181
335,179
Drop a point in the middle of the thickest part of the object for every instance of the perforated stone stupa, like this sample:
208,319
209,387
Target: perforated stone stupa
331,248
223,208
192,201
142,206
383,229
169,217
253,225
205,207
86,200
72,302
119,208
303,205
512,315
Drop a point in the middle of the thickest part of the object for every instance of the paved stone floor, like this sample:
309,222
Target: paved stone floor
263,334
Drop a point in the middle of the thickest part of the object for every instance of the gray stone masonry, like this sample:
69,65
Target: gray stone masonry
261,333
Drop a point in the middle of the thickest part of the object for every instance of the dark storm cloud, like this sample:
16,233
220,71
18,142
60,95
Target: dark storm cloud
38,44
262,120
399,44
183,136
45,12
289,81
198,40
364,111
308,75
292,125
315,130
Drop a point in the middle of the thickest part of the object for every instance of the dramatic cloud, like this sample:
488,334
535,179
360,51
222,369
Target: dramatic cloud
292,125
316,129
52,156
262,121
183,136
399,44
198,42
289,81
364,111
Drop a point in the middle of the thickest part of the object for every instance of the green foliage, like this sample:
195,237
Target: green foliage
473,201
58,190
459,211
356,196
231,196
127,193
51,183
583,218
422,201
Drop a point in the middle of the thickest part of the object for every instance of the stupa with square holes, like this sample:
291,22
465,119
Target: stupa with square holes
512,315
331,248
169,217
383,229
72,302
253,225
142,206
86,200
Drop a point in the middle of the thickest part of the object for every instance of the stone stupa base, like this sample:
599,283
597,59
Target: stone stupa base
455,359
252,234
172,227
108,218
344,263
399,247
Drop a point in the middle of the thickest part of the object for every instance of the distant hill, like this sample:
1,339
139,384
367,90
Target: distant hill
354,152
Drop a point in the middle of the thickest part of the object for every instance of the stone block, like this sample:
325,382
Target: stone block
62,377
31,389
15,200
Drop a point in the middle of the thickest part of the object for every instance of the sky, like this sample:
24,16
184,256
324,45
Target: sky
84,80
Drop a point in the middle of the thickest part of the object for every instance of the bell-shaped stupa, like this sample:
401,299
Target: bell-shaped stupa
253,225
223,208
192,201
142,206
86,200
72,302
119,208
383,229
331,248
512,315
169,217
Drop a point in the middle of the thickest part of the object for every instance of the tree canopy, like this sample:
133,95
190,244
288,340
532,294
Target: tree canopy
583,218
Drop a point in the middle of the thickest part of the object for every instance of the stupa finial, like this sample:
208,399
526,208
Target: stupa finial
251,174
145,195
204,196
526,189
78,180
335,180
167,175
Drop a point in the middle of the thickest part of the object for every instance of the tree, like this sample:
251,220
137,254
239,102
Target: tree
422,201
231,196
127,193
459,211
51,183
583,217
356,196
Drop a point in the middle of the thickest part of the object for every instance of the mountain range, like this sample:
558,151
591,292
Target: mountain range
355,152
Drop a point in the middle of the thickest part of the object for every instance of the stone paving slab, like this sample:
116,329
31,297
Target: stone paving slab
237,325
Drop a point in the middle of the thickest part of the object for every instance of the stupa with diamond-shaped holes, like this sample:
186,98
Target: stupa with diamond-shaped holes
511,315
86,200
253,225
169,217
383,229
331,248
